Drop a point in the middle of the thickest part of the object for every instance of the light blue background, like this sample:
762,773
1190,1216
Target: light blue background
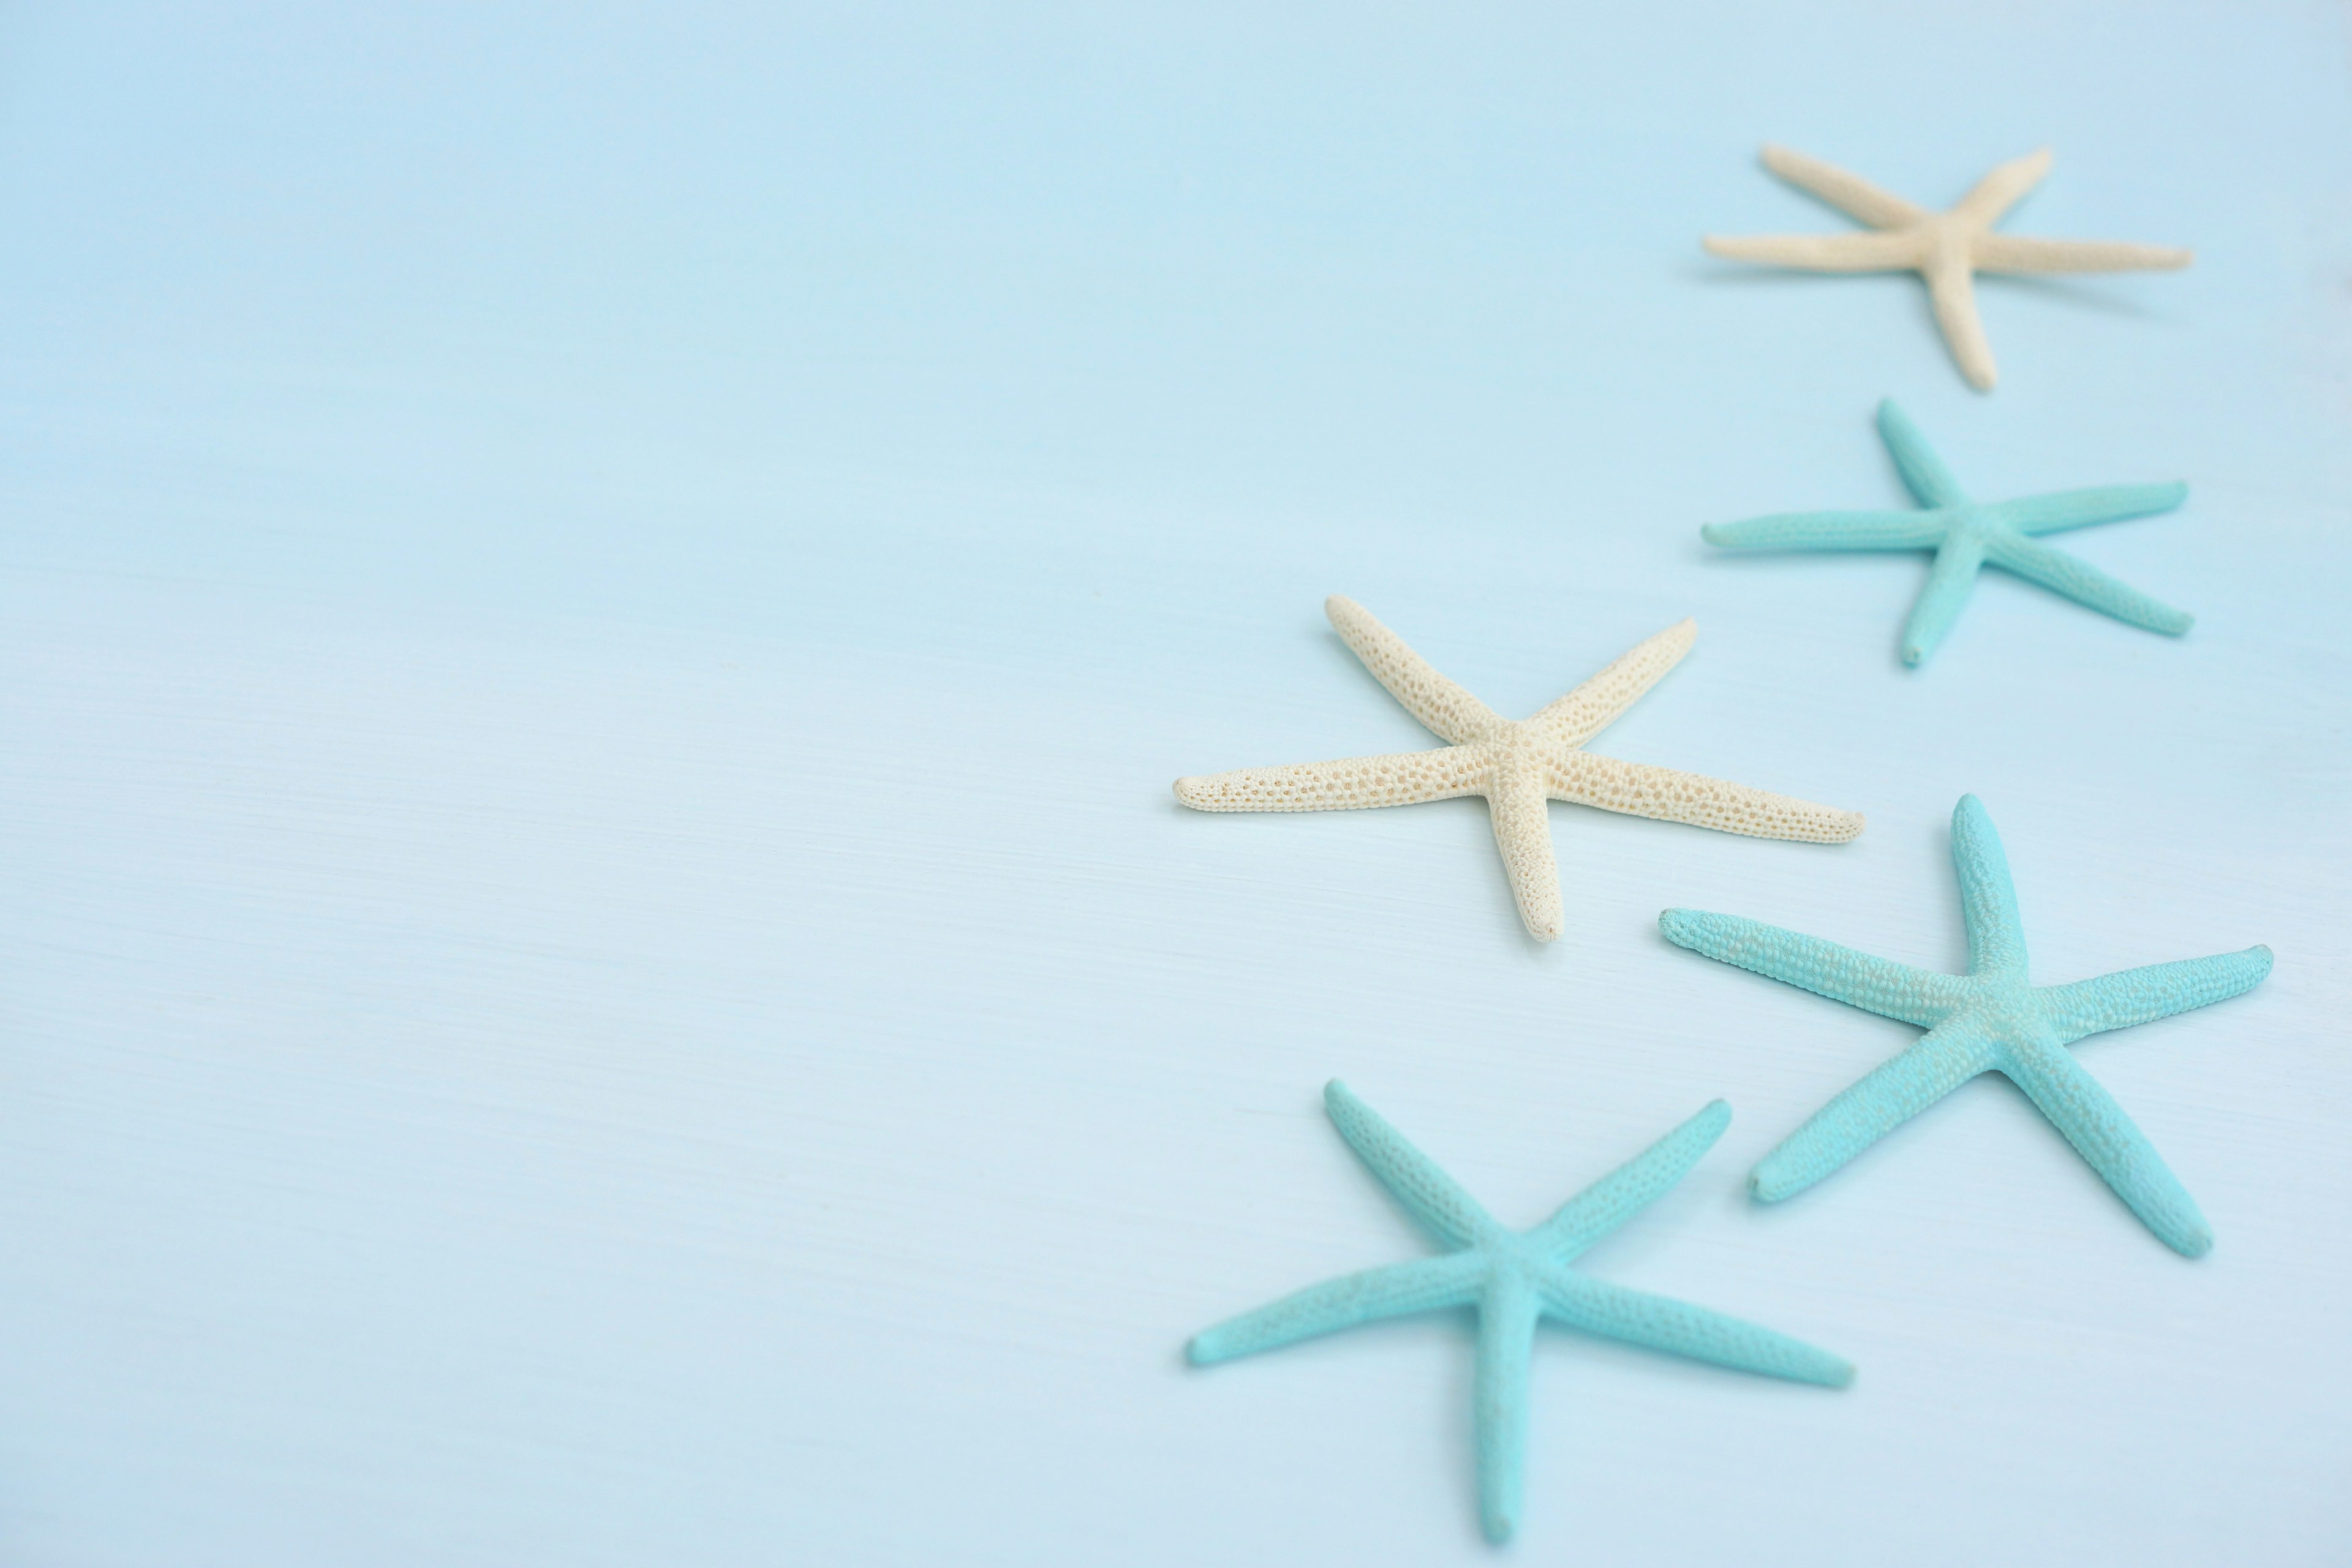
600,607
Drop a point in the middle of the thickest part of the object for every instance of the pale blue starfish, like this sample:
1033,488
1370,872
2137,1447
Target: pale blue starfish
1992,1019
1966,534
1515,1279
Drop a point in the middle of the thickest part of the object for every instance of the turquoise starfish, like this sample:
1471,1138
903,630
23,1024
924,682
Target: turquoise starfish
1514,1279
1965,534
1991,1019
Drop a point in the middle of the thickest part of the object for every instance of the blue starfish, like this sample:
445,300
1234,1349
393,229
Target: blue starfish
1965,534
1991,1019
1514,1279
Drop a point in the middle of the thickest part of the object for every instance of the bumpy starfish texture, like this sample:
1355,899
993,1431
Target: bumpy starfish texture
1966,535
1517,766
1992,1019
1946,248
1515,1279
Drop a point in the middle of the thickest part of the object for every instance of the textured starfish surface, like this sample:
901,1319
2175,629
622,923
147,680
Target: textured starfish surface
1946,248
1517,766
1992,1019
1966,535
1514,1279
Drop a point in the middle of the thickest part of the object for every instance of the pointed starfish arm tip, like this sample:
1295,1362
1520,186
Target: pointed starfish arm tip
1441,1204
1837,1373
1575,717
2061,511
1770,1181
2083,1110
2084,584
1913,530
2142,995
1346,783
1399,1290
1882,1100
1668,794
1858,979
1632,1187
1682,1329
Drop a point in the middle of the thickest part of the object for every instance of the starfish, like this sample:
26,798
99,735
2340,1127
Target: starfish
1966,534
1992,1019
1515,1279
1517,766
1946,248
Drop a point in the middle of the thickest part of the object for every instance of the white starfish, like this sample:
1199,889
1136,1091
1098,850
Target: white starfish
1946,248
1518,767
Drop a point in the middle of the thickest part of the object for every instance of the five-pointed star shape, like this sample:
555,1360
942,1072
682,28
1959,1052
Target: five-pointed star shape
1517,766
1992,1019
1514,1279
1946,248
1966,534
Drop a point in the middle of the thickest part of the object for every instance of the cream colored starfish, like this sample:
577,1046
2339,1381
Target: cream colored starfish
1517,766
1946,248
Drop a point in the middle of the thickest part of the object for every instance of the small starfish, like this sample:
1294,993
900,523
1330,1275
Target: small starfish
1517,766
1966,534
1515,1279
1992,1019
1946,248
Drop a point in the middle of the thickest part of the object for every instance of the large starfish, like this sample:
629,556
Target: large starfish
1966,534
1517,766
1992,1019
1946,248
1515,1279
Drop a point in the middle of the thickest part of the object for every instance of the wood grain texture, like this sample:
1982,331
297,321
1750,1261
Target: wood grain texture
594,619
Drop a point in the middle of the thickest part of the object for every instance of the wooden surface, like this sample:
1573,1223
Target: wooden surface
599,615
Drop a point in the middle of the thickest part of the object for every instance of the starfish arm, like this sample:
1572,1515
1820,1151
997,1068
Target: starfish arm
1523,833
2086,585
1831,530
1436,1200
2020,252
2079,1106
1950,580
1506,1336
2154,990
1821,252
1924,472
2064,509
1938,1062
1638,789
1449,711
1632,1186
2004,188
1863,980
1987,893
1424,1284
1661,1324
1401,778
1584,712
1951,289
1849,192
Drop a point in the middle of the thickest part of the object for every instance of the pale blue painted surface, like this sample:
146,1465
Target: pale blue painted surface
601,607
